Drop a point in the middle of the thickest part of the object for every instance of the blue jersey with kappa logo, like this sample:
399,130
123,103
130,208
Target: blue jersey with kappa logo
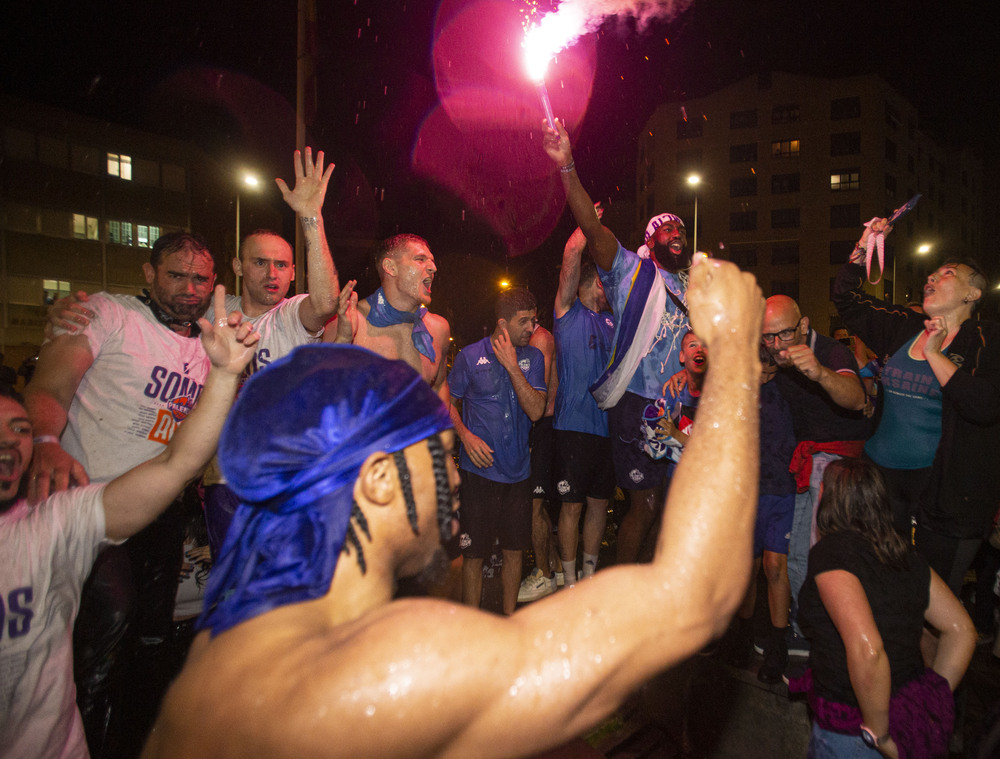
490,408
583,349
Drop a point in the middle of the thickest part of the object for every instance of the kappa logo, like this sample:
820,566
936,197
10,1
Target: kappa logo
483,360
524,364
563,487
636,476
539,490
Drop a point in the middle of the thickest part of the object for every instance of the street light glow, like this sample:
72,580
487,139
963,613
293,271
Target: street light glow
504,284
925,248
694,180
250,180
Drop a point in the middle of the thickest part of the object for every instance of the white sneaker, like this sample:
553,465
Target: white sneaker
535,586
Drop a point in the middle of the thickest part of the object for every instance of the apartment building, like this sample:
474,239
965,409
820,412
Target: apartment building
83,200
791,166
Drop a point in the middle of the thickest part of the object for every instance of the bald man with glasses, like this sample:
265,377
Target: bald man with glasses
818,376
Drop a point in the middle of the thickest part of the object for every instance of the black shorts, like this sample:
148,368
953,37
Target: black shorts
634,468
583,466
491,510
543,445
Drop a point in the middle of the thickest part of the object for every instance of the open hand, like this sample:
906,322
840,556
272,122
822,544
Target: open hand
310,184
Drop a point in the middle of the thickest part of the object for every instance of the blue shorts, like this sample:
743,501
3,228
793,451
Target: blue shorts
774,524
634,468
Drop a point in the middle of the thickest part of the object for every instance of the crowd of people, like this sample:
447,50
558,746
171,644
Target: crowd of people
251,557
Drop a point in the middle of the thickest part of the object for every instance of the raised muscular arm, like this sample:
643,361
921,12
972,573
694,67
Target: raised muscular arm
307,201
603,244
595,644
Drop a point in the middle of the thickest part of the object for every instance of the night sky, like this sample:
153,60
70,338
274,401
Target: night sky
432,124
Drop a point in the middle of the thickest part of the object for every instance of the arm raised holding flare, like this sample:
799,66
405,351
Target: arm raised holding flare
602,241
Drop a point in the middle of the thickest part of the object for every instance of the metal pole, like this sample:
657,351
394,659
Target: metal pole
237,248
696,221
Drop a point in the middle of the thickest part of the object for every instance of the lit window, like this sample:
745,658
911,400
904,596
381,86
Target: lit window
784,148
145,235
84,227
120,232
846,179
120,166
53,289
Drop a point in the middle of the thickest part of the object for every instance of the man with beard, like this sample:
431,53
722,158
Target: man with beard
648,300
340,460
49,548
394,321
498,387
266,265
102,401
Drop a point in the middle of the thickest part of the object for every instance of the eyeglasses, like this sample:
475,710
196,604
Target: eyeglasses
783,335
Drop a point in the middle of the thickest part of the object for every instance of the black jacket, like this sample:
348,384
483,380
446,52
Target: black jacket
964,490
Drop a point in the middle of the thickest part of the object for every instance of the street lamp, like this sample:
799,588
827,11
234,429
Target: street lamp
922,250
694,180
250,181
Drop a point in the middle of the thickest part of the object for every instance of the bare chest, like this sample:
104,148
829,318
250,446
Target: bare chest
396,342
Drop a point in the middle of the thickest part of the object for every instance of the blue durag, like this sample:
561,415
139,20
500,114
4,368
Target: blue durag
292,449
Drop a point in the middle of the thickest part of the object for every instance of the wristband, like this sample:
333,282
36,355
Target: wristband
46,439
870,739
571,166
